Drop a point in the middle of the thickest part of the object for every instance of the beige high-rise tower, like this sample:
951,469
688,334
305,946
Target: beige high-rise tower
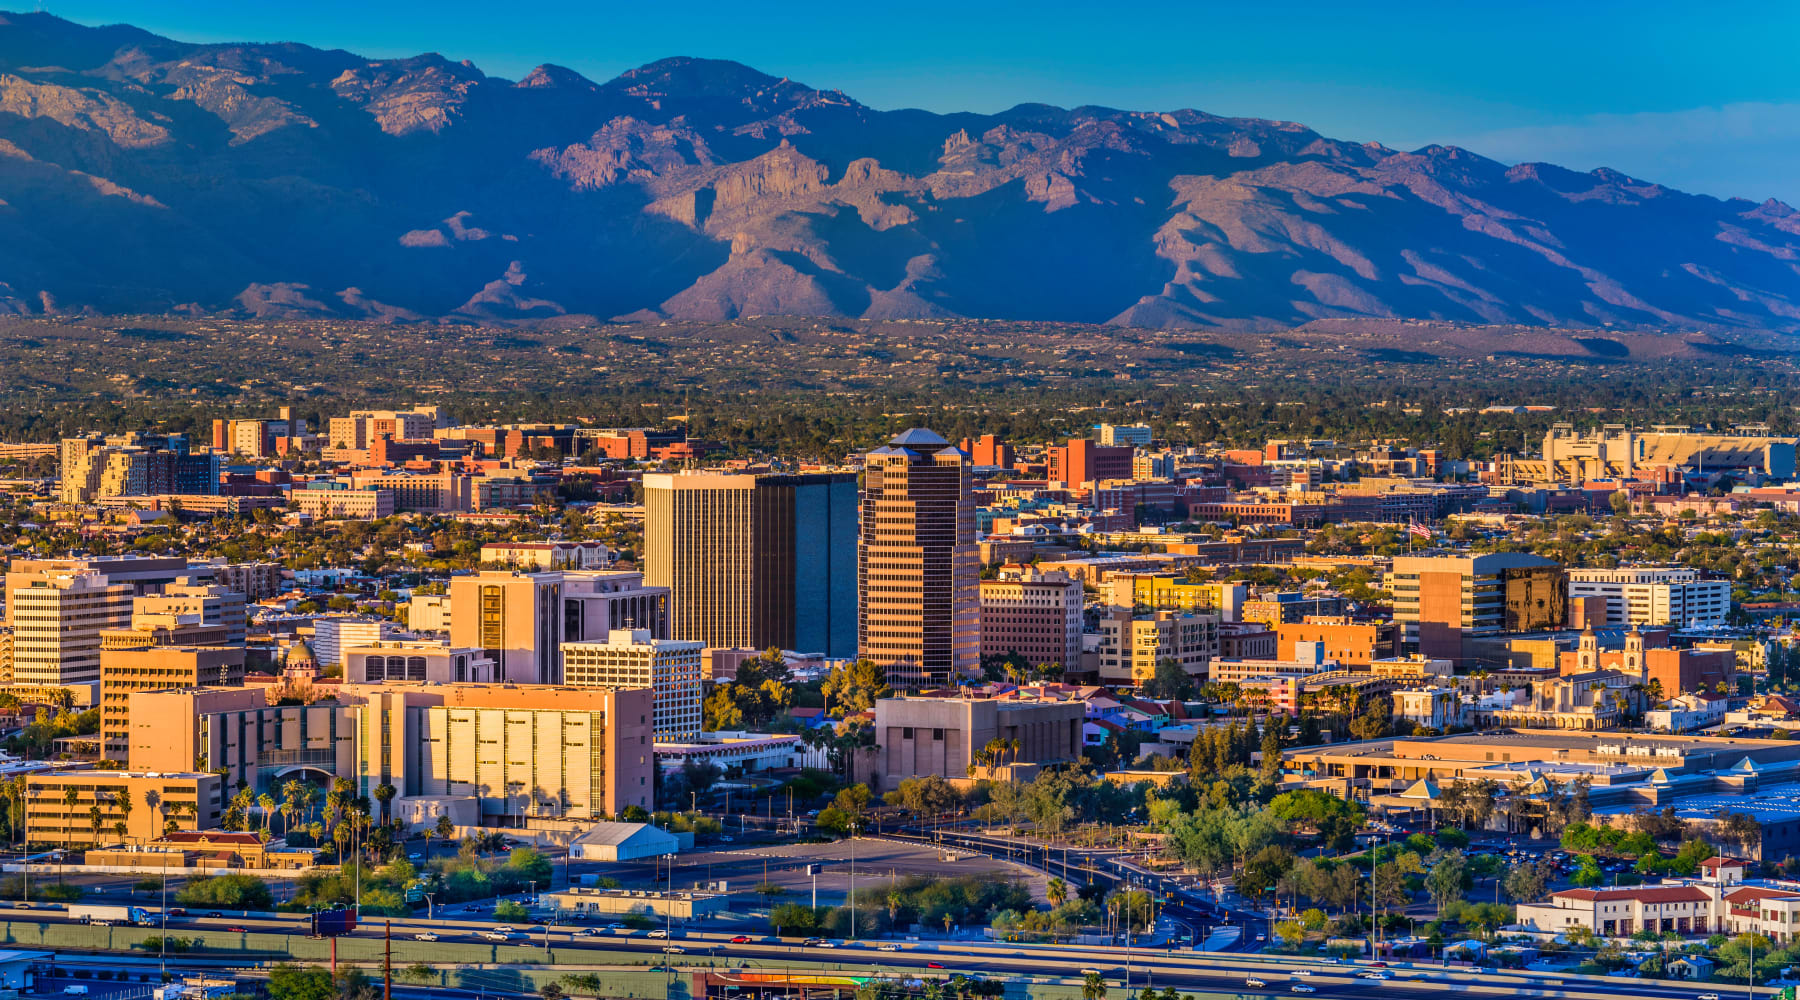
918,568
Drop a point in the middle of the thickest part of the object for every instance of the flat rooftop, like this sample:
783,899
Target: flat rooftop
1774,804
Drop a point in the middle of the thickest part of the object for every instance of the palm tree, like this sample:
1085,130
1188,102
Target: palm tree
1057,892
1093,987
96,819
384,793
291,794
445,828
266,803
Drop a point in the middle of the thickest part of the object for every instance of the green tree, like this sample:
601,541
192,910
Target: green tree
1170,681
1587,873
854,687
1526,883
229,891
295,982
1446,878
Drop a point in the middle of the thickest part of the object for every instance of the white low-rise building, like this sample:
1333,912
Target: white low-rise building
1686,713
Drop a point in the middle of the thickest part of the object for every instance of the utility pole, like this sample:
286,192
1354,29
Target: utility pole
387,961
853,880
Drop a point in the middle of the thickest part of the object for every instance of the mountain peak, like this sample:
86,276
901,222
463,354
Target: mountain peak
551,75
684,81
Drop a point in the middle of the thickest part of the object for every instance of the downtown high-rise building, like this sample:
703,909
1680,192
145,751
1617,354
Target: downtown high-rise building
918,568
755,561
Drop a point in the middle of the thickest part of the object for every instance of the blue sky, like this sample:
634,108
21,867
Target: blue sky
1700,96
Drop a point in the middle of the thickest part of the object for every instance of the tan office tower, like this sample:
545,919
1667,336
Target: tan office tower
755,560
124,670
516,618
57,619
918,568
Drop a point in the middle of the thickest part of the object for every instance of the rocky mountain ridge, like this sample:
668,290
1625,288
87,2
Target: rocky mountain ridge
142,174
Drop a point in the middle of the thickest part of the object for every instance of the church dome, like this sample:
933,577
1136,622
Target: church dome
300,655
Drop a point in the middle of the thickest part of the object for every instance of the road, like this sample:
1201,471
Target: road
1187,973
1125,970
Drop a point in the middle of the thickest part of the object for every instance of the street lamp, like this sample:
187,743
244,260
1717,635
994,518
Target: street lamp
853,879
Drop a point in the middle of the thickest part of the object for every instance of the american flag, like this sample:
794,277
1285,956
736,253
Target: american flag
1418,530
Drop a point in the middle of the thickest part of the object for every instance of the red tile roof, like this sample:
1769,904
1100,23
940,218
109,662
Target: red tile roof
1751,893
1642,894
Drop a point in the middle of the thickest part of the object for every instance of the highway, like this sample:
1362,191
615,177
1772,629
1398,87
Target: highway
573,949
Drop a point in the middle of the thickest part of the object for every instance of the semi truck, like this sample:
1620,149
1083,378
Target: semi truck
107,915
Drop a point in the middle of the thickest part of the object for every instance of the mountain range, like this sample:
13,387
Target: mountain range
146,175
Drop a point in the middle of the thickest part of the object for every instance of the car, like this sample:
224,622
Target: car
1302,972
176,911
493,935
1707,996
828,944
75,991
934,965
887,947
674,949
426,936
1255,982
813,942
1377,965
728,840
659,934
1379,976
237,930
505,928
214,913
740,939
415,856
1303,988
615,926
21,906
